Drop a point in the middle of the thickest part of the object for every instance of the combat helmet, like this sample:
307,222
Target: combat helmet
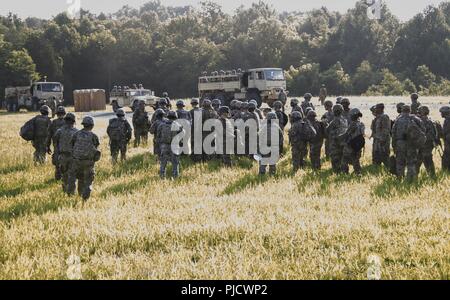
60,110
424,110
338,109
120,112
180,103
355,112
308,96
296,116
70,117
172,115
45,109
88,121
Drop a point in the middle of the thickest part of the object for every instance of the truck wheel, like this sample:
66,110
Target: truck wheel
254,95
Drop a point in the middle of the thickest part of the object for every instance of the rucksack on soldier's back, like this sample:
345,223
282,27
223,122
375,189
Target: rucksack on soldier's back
27,131
116,130
416,136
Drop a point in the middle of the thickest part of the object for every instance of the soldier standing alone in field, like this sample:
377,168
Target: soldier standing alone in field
335,132
425,155
381,137
445,113
63,145
119,132
54,126
141,125
85,154
323,94
41,125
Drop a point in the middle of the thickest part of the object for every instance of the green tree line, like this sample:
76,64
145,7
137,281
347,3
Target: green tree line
166,48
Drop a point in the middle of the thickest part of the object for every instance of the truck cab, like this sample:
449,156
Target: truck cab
46,91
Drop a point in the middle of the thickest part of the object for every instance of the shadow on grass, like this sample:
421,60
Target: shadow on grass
13,169
19,190
26,207
392,185
327,179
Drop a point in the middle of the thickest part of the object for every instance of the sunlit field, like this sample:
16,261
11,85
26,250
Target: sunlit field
219,223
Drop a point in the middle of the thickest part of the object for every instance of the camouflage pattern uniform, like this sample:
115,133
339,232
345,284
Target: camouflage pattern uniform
119,132
307,103
345,102
141,125
41,135
297,141
445,112
425,155
195,110
316,141
228,131
415,104
158,120
54,126
84,144
181,112
165,135
295,105
350,155
282,97
323,94
335,132
381,137
283,119
326,120
405,153
208,113
63,144
265,133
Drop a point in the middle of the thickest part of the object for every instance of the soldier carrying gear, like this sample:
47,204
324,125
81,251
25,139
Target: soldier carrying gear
406,132
39,127
282,97
228,138
381,134
141,124
339,100
415,104
54,126
346,105
307,103
335,132
315,139
167,100
354,142
425,155
208,113
257,110
157,121
63,146
295,105
281,116
119,132
85,154
216,103
195,102
298,141
445,135
326,120
165,136
265,134
181,112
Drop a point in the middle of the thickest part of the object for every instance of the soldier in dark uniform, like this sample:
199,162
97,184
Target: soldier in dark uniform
54,126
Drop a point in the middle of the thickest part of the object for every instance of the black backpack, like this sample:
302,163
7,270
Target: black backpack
357,143
27,131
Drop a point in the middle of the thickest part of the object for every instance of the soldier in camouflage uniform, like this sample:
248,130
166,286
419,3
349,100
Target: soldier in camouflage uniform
85,154
445,135
415,104
265,134
228,132
141,125
381,137
345,102
168,103
425,155
208,113
119,132
216,103
181,112
282,97
257,110
405,152
195,109
165,136
316,140
297,141
63,146
234,109
354,143
283,119
41,135
335,132
323,94
307,103
159,119
326,120
54,126
295,105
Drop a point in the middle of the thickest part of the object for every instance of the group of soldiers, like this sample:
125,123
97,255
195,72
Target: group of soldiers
413,136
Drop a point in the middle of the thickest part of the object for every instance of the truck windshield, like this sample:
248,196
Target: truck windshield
51,87
274,75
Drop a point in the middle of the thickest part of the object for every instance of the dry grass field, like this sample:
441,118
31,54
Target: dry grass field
217,223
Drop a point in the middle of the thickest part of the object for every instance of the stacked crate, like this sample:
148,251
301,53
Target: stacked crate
89,100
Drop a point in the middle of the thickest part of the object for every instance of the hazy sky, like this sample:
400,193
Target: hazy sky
404,9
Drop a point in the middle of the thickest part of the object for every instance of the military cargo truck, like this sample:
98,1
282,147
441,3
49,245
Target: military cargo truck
34,96
263,85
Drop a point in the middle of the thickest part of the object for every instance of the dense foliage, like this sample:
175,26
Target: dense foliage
166,48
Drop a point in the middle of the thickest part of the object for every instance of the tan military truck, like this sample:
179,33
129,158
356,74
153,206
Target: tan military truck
263,85
130,97
34,96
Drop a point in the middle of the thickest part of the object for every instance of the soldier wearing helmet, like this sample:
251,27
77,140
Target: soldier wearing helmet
399,107
120,133
335,132
381,134
41,135
326,120
307,103
345,102
354,143
165,135
181,112
281,115
63,146
257,110
208,113
85,154
157,120
316,139
295,105
228,138
282,97
195,111
54,126
415,104
297,140
445,135
267,132
323,94
168,104
216,103
425,155
339,100
141,125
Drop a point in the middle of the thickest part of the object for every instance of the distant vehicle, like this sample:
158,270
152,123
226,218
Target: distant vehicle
263,85
34,96
130,97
